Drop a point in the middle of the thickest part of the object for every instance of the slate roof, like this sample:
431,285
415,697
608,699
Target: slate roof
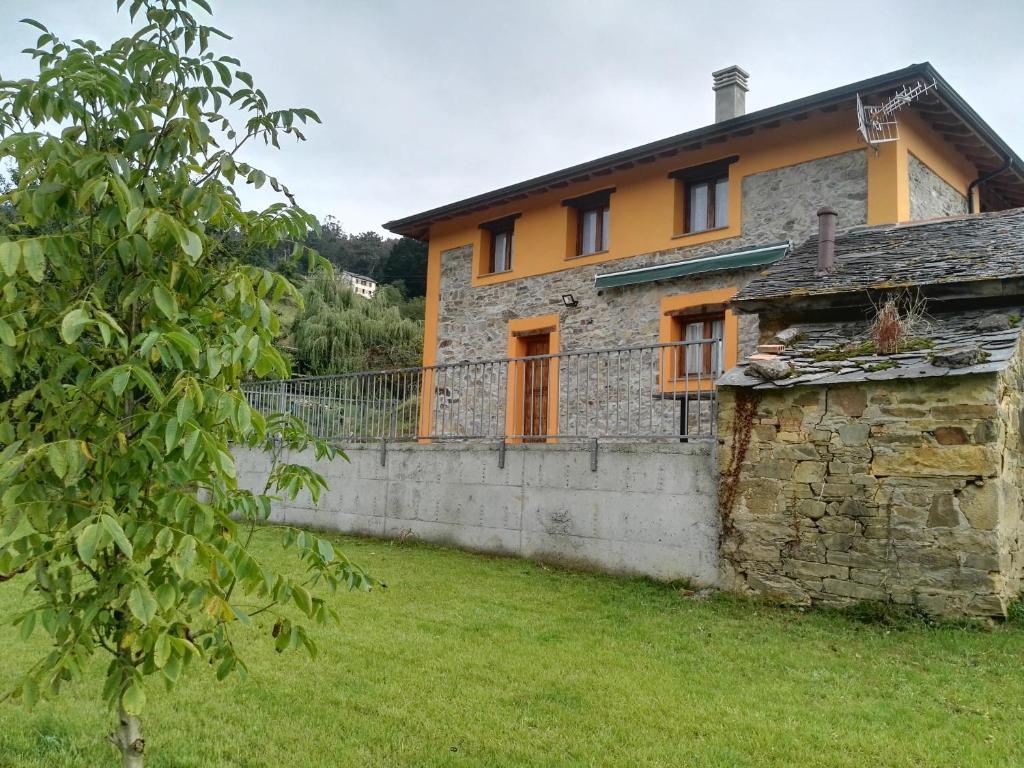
978,247
995,335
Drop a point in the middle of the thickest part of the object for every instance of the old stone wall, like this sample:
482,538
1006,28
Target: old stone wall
1011,502
886,491
930,196
777,205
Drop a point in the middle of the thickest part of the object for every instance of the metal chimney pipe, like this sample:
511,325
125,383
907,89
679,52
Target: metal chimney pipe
826,239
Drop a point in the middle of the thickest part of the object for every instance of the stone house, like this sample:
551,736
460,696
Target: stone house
864,440
647,246
871,453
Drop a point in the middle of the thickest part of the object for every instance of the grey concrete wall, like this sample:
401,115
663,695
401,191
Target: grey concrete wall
649,509
777,205
930,196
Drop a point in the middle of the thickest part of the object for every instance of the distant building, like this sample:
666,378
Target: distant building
360,284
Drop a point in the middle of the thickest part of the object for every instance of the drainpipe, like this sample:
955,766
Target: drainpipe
982,179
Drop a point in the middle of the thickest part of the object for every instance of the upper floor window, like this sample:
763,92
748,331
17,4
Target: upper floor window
707,204
593,218
592,236
500,245
703,196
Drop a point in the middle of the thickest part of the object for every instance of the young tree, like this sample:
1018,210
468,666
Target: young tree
126,333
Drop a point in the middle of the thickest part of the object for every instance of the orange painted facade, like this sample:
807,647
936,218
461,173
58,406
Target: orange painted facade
645,206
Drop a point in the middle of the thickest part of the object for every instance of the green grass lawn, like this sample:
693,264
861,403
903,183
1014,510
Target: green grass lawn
476,661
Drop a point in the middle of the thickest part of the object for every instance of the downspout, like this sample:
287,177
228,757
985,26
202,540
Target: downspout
982,179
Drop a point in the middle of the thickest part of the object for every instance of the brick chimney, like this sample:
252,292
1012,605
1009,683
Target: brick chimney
730,87
826,240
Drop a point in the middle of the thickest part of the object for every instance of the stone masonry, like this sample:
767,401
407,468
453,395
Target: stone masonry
777,205
930,196
903,491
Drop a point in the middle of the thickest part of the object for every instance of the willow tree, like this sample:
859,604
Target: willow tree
338,331
126,331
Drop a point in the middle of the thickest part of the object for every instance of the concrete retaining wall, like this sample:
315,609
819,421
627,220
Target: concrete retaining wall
648,509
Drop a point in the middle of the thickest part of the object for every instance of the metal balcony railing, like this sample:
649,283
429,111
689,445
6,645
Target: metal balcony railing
654,392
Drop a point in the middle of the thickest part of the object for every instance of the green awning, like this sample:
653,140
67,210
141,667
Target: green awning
751,257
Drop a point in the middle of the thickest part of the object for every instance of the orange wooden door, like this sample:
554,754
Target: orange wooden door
535,387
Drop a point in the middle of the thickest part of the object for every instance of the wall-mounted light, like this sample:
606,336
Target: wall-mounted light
569,300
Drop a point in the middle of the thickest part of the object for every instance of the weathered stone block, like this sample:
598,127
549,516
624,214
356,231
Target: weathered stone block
803,569
835,490
811,508
837,542
950,436
809,472
927,461
855,433
986,431
778,587
833,524
853,590
798,452
964,411
945,512
981,504
850,400
868,576
779,469
854,508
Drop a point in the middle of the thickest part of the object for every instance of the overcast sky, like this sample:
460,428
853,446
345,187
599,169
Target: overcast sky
426,102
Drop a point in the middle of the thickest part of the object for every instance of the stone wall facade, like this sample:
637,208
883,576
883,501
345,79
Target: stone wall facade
896,491
930,196
777,205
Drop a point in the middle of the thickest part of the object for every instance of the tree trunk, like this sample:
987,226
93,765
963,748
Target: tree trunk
128,738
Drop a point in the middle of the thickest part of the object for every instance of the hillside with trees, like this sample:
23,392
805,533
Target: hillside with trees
401,262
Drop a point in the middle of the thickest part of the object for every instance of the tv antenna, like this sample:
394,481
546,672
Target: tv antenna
877,123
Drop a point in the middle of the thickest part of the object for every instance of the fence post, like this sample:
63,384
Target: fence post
282,397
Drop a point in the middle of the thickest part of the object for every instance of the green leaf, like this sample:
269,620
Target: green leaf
325,549
146,379
57,455
137,141
165,301
302,599
165,596
172,434
117,534
7,334
134,699
34,23
172,668
28,623
161,651
73,324
142,604
10,257
87,542
120,381
35,262
192,245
